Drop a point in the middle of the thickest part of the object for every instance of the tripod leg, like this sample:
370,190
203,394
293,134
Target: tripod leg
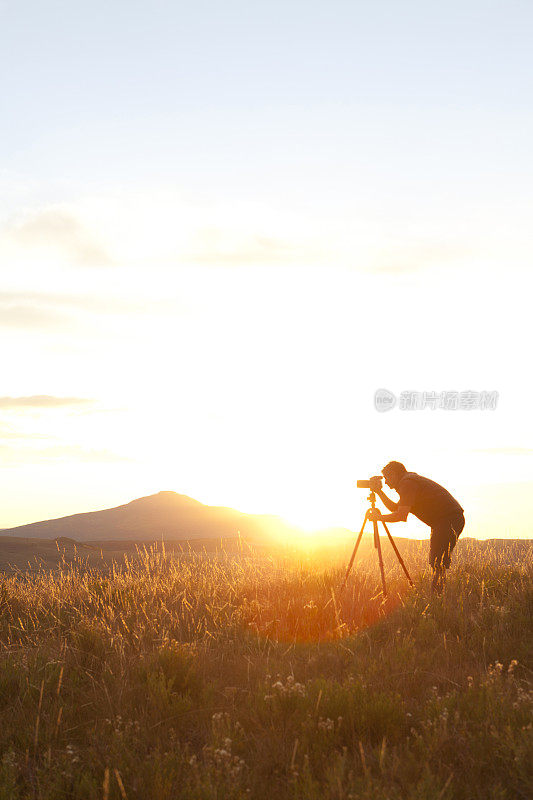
400,559
354,551
378,547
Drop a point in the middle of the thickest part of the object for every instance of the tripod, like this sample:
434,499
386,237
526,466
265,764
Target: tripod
377,544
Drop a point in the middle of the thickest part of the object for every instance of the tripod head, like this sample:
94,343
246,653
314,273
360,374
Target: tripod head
372,500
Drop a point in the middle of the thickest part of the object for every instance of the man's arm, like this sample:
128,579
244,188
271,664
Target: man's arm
400,515
387,502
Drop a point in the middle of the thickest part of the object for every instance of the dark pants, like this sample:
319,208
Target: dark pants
444,537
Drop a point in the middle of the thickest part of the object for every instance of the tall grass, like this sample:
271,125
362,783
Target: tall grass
250,676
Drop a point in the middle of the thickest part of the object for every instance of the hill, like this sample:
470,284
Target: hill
165,515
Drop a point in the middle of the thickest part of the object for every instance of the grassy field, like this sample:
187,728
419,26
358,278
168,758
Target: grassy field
250,676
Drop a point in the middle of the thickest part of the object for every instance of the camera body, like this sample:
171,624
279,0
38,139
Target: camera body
374,483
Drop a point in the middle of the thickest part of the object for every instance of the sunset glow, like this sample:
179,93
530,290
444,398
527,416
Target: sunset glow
209,266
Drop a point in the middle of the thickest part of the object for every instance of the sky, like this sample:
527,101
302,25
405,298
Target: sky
224,226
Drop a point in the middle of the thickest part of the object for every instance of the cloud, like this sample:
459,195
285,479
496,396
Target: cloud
42,401
159,229
227,247
506,451
33,455
7,432
17,304
27,316
60,230
402,258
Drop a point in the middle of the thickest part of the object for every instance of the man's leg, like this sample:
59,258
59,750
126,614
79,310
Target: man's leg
437,549
443,540
457,525
439,579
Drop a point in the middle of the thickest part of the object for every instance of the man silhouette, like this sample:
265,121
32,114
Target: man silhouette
432,504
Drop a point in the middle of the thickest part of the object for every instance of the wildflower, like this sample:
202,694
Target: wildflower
71,752
9,758
289,687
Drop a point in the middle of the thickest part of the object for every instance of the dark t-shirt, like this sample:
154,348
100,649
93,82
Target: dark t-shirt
429,501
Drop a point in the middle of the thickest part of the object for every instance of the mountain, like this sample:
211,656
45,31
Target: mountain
166,515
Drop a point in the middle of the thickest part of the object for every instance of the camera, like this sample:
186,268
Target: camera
374,483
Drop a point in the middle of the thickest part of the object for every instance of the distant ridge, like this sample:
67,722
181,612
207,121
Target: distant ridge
165,515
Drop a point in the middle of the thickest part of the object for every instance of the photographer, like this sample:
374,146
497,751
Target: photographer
433,505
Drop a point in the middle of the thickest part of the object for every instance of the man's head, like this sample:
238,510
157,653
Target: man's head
393,472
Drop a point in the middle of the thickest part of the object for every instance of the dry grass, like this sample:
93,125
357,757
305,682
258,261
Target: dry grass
245,675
